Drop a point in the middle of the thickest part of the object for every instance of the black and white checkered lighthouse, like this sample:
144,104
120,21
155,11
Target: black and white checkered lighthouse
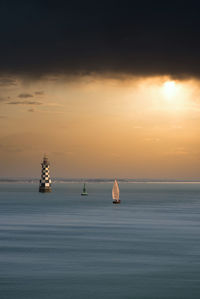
45,182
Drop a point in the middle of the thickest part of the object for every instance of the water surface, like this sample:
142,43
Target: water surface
60,245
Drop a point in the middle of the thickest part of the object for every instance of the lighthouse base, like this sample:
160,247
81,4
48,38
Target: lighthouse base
44,189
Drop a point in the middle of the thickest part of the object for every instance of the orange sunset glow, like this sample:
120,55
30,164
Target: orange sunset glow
136,127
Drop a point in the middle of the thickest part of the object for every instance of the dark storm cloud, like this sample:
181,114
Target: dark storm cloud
75,37
25,95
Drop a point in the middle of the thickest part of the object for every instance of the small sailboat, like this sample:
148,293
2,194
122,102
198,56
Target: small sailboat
115,192
84,192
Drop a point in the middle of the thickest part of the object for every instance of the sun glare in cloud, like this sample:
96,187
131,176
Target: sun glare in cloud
170,89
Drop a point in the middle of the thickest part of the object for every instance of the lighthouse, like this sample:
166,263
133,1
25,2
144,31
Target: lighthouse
45,182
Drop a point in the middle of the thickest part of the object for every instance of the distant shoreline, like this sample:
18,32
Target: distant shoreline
96,180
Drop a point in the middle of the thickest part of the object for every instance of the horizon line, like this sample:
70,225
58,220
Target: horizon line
102,179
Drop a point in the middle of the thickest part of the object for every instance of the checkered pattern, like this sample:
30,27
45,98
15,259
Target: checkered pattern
45,182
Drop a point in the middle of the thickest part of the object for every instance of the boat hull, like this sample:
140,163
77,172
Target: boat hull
84,194
116,202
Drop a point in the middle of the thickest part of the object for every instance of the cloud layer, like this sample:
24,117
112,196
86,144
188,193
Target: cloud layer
76,37
26,102
25,95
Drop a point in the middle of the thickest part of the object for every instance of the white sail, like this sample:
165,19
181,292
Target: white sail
115,191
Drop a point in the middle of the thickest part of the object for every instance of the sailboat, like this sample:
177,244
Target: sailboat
84,192
115,192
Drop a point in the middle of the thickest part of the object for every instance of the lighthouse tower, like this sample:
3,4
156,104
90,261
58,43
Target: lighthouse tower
45,182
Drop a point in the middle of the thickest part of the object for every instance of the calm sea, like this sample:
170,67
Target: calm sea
60,245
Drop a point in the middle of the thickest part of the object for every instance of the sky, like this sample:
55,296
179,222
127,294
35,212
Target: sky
104,88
